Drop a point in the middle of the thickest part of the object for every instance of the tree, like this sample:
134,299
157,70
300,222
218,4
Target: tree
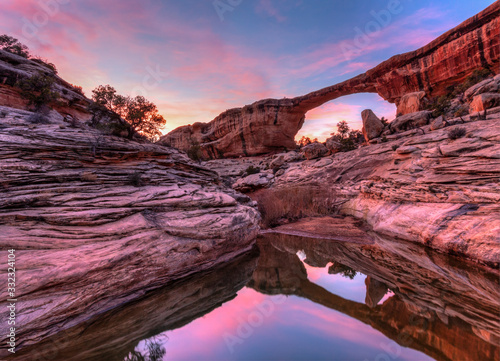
343,129
12,45
349,139
304,141
143,116
37,89
140,113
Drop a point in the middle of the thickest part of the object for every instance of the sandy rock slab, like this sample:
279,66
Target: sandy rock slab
96,221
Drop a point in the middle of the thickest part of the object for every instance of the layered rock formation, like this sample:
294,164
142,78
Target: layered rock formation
420,185
97,220
14,68
271,125
115,334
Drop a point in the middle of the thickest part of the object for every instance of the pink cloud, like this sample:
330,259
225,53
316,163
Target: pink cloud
322,121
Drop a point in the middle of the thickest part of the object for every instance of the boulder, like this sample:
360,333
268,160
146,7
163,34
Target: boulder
490,85
333,145
375,291
410,121
314,150
253,182
372,125
411,103
438,123
277,162
484,101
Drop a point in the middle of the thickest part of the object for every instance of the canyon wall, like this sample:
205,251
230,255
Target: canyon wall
13,68
271,124
421,186
96,221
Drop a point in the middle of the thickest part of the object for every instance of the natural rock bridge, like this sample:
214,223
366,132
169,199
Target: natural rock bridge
271,124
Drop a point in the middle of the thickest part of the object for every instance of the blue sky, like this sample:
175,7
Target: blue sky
197,58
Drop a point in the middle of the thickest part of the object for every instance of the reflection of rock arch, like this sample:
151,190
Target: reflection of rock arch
272,124
414,317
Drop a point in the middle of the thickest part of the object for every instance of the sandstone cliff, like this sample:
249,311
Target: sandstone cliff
14,68
97,220
271,125
420,186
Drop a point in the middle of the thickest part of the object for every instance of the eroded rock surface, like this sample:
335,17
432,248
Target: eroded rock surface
421,186
97,221
14,68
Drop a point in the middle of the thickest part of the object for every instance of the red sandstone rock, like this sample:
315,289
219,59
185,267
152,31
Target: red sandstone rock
484,101
270,125
372,126
411,103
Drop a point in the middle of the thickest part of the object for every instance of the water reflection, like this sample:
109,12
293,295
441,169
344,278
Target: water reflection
154,351
304,299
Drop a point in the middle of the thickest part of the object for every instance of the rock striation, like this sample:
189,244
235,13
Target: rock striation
420,185
115,334
13,68
270,125
97,221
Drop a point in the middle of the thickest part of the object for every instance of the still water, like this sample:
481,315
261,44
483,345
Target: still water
306,299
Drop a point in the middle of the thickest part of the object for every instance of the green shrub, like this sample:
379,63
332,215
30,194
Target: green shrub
12,45
194,152
78,89
252,170
45,63
37,89
456,133
348,139
38,118
439,106
141,114
477,76
460,112
343,270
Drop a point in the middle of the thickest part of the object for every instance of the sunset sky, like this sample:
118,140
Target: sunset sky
197,58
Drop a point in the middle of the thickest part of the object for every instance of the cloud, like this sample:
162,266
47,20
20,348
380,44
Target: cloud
114,42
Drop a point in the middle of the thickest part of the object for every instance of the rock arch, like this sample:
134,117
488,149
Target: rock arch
271,124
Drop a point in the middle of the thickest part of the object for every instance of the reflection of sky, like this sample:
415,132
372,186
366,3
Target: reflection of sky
353,290
261,49
293,329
